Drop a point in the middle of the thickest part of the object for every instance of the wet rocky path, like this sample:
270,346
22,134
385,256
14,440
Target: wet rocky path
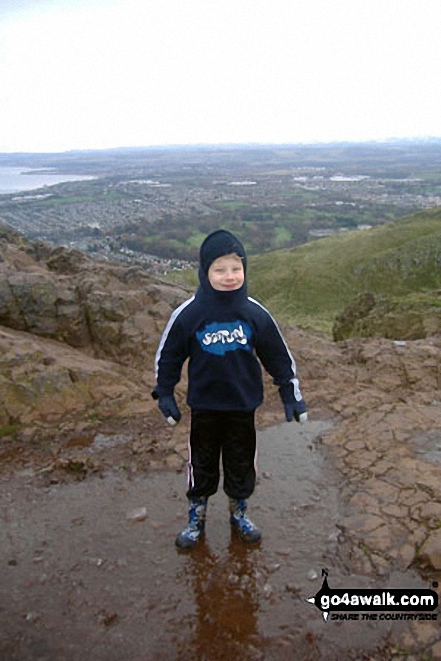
88,573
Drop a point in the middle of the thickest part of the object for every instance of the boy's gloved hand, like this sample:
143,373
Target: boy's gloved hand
293,408
168,407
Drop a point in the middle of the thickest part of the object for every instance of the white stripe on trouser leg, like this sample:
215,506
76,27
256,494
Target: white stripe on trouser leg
190,467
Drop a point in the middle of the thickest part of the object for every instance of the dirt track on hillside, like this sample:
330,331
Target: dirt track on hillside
86,574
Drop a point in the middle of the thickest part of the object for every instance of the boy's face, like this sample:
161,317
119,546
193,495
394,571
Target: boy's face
226,273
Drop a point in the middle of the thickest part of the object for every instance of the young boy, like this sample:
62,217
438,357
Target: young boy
222,330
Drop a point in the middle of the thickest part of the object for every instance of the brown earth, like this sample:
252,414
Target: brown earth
77,345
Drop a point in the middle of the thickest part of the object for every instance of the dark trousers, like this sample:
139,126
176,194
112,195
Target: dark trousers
227,434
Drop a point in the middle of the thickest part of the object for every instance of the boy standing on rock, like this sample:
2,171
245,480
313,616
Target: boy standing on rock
223,331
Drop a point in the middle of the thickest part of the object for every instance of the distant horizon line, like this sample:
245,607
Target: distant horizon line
228,145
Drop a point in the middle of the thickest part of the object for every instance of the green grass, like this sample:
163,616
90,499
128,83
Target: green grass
310,285
282,237
196,239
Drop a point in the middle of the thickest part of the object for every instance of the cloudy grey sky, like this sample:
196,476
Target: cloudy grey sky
109,73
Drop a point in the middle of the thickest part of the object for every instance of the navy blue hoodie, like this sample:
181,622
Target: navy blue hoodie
223,333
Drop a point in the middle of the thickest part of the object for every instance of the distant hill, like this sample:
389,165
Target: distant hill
310,285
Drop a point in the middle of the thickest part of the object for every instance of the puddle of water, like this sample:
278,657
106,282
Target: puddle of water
81,575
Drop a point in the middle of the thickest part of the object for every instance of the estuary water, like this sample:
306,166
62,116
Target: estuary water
20,179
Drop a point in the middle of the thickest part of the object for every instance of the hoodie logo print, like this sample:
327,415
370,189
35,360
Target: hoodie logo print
218,338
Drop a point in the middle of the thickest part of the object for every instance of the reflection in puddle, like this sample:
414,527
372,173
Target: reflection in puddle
226,601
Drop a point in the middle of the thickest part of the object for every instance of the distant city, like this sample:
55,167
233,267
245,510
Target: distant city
152,207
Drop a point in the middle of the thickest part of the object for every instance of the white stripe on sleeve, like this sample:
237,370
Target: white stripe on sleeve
166,332
294,380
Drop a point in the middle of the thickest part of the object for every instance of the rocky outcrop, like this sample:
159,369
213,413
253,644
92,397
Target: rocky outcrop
77,337
45,384
377,316
108,311
388,396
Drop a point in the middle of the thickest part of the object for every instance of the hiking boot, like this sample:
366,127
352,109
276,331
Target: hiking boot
190,536
240,522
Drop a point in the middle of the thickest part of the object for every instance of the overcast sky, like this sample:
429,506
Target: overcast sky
80,74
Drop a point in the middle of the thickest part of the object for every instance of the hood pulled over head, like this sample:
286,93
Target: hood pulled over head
218,244
215,245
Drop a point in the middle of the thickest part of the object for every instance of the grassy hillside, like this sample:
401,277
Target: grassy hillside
311,284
